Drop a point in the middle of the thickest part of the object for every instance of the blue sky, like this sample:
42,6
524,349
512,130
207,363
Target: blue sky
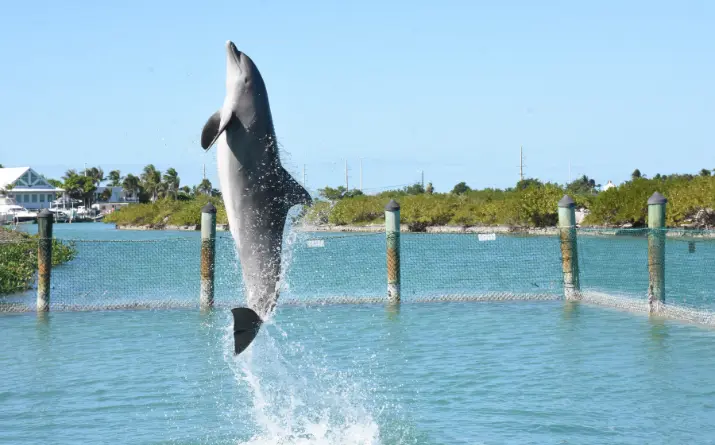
452,87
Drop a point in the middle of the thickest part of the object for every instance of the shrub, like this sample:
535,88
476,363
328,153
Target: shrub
18,259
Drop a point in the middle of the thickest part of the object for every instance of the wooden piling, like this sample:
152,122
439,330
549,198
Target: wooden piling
208,255
656,249
392,232
569,248
44,259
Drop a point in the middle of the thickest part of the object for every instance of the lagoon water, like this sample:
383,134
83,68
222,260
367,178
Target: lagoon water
526,372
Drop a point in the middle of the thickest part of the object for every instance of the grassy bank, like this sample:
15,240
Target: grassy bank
529,205
18,259
167,212
689,198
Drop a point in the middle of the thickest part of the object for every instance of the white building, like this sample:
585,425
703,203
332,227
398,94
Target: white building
118,195
28,188
608,185
117,199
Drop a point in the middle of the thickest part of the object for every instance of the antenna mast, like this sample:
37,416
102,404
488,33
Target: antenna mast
360,174
347,187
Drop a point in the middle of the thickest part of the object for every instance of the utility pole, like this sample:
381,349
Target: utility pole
521,163
423,179
303,175
360,174
347,187
204,170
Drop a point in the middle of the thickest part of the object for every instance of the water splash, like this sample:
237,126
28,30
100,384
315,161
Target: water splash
295,398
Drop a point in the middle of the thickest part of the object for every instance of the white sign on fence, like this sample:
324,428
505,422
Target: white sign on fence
316,243
487,236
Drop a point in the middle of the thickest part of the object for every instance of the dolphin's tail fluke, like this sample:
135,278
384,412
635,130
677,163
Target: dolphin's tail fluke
245,327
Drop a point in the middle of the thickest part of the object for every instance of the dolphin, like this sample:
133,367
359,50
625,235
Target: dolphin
257,191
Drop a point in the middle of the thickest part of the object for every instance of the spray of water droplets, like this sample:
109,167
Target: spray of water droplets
294,398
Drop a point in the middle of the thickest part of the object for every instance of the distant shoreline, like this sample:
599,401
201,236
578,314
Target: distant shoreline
503,230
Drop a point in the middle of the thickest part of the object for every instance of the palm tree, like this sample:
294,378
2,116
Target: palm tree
115,178
96,174
172,180
69,174
205,187
131,185
151,178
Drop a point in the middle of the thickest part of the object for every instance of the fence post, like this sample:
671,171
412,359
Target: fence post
392,232
656,249
208,255
44,260
569,248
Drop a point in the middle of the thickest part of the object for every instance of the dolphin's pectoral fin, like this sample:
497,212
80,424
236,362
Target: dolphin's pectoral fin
213,129
210,130
245,327
294,192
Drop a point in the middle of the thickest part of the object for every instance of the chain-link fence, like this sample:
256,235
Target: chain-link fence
162,270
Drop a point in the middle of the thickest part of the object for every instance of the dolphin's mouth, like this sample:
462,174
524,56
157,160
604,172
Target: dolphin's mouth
234,52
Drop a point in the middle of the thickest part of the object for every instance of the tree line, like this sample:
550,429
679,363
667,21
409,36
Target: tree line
530,202
149,186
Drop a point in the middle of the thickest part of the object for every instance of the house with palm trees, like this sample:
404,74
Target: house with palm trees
114,194
109,198
28,188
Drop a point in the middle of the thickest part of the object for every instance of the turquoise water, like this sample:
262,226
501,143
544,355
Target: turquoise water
431,373
436,373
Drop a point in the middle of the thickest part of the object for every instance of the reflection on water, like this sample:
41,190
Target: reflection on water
571,310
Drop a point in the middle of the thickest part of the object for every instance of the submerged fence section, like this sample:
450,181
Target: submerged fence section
165,270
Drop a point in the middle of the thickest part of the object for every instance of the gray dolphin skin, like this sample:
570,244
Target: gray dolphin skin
257,191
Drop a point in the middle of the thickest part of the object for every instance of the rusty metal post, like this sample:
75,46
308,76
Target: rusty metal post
392,232
656,249
44,260
569,248
208,255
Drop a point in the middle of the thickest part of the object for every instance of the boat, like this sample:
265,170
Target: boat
59,215
65,209
15,213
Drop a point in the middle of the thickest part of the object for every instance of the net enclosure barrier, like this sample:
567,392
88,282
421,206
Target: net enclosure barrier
156,270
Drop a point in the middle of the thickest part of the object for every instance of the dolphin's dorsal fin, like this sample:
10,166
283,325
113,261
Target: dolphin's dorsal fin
294,192
213,128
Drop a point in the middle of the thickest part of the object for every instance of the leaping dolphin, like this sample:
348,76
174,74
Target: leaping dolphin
257,191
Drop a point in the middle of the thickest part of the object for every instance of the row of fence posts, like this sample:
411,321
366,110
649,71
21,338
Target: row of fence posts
567,235
656,249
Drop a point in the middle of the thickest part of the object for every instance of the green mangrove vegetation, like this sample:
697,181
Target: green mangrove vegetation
167,212
18,259
530,203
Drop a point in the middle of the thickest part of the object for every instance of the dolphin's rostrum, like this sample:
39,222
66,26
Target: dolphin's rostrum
257,191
